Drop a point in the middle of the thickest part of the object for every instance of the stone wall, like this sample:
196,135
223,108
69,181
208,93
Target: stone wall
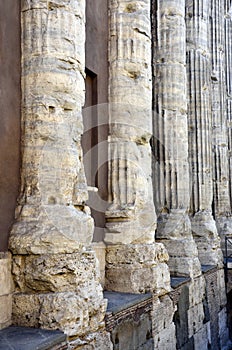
200,316
191,316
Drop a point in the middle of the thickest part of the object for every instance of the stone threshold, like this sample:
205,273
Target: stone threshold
178,281
25,338
118,301
208,268
122,306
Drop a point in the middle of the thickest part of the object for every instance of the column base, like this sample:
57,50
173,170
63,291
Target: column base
224,226
137,268
174,231
58,291
207,239
42,229
183,258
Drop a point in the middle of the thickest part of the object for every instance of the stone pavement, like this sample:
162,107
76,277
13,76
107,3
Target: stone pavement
24,338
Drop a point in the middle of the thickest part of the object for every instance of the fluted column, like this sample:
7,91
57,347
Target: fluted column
225,225
170,146
130,124
56,279
131,217
222,201
200,125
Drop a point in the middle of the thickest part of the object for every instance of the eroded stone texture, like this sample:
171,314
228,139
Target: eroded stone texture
198,317
215,310
220,36
225,224
200,125
170,144
163,327
131,217
189,316
48,311
56,278
133,333
53,190
137,268
56,274
59,291
100,340
6,289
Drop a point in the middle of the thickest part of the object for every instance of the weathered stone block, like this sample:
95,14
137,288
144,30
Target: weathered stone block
133,333
180,247
195,319
166,339
223,329
67,311
138,279
55,232
57,273
6,282
6,289
5,310
196,291
100,251
94,341
184,266
161,279
137,269
201,340
134,254
162,314
221,287
58,291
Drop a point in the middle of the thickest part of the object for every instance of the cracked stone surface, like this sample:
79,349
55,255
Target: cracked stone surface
55,273
171,176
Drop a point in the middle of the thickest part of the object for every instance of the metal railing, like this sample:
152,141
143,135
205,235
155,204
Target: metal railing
228,256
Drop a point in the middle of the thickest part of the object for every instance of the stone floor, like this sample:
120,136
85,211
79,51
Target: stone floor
23,338
120,301
178,281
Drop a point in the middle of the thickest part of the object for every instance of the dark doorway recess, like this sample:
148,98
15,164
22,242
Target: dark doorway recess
95,112
10,98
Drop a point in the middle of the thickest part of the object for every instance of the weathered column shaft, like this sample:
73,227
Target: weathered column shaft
222,201
53,188
171,168
225,227
130,124
200,126
56,279
131,217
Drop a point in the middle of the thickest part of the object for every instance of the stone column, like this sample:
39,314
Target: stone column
134,263
54,270
200,125
170,146
222,200
226,228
